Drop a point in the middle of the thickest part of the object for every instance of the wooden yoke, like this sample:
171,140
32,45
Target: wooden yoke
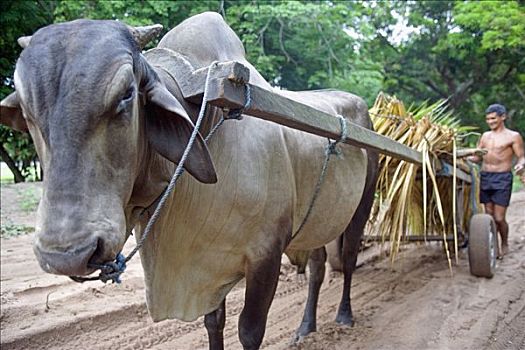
273,107
190,80
227,90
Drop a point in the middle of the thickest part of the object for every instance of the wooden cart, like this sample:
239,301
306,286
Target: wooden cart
227,87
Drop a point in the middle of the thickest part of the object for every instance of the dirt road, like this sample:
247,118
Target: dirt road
415,305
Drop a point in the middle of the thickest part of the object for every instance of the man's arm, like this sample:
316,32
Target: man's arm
476,158
517,147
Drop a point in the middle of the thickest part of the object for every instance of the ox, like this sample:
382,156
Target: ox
109,127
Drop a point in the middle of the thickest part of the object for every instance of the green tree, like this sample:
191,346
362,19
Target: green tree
134,12
495,31
16,148
471,53
302,45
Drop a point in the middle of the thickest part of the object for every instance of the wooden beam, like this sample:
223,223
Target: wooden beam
191,80
271,106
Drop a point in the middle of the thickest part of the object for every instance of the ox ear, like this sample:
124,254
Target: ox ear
11,113
169,128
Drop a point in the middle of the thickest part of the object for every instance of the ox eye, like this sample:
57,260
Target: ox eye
129,94
126,99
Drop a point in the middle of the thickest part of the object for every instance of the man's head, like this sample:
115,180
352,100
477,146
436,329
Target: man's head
495,116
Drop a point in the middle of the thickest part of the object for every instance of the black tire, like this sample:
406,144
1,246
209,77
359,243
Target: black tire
482,246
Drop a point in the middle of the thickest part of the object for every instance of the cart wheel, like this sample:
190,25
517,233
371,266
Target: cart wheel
482,246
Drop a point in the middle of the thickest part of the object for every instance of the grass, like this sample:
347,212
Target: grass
29,199
13,230
6,176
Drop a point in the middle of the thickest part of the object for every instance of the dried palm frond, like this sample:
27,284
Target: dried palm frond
413,199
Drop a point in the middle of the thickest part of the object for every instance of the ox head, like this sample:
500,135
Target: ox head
95,109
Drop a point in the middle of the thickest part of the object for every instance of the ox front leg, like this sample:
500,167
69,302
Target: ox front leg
317,272
261,282
214,322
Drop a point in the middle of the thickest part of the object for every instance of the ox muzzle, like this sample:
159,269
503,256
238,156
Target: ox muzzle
70,262
77,253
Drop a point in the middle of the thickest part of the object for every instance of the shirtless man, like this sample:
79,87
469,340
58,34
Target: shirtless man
496,176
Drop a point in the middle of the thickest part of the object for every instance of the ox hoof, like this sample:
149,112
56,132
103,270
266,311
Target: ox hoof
296,339
302,332
345,320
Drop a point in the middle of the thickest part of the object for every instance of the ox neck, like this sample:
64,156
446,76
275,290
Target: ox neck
156,171
153,177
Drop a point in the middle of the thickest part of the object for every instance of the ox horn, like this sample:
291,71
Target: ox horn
143,35
24,41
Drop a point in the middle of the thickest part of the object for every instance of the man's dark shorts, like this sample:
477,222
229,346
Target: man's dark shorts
495,188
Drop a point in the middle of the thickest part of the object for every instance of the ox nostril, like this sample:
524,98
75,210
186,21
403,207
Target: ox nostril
63,261
99,255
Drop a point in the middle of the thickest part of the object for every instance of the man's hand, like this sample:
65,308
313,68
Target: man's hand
520,171
474,155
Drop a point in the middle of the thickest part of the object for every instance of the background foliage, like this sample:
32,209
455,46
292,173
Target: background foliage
471,53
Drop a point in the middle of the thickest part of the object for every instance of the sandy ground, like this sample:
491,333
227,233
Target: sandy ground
417,304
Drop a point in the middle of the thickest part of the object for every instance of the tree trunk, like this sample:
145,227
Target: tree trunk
11,164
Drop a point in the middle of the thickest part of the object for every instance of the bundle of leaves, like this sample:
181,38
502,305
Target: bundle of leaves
413,200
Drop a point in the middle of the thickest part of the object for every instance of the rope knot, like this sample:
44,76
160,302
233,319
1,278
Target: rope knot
331,148
111,271
237,112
